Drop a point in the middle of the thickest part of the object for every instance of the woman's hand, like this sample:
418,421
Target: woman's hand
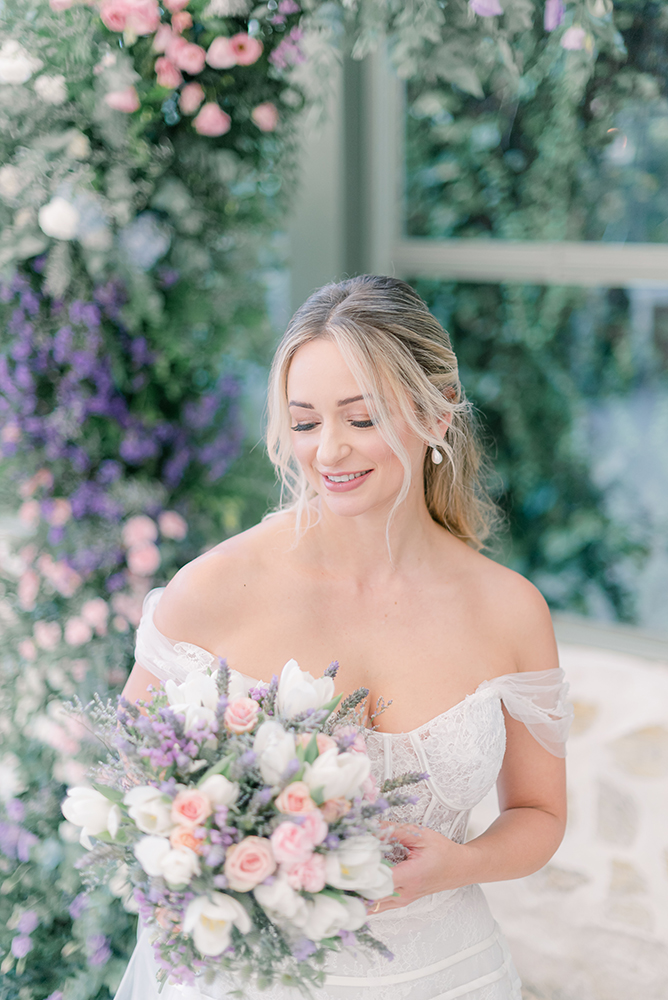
434,863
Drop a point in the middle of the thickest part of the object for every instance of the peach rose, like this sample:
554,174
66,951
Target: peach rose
190,807
143,559
220,54
315,827
265,116
241,715
167,74
212,120
96,613
334,809
247,50
138,529
171,524
324,741
291,843
184,836
28,590
27,649
182,21
47,634
309,874
295,799
191,97
126,100
77,632
248,863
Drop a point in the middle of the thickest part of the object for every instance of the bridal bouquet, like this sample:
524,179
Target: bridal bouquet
248,826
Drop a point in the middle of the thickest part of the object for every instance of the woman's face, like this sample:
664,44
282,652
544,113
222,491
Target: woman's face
344,457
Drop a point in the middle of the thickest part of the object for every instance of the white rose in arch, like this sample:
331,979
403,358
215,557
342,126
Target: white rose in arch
298,690
150,809
337,775
16,65
357,865
93,812
59,219
52,89
209,920
275,749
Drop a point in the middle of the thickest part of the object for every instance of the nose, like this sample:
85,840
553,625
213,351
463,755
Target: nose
332,446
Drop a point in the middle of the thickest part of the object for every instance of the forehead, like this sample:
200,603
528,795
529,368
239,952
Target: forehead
319,366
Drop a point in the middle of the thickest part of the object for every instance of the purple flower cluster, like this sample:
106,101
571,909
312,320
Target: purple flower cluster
16,842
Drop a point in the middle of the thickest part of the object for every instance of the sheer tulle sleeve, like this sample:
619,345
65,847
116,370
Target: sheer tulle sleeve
538,698
166,659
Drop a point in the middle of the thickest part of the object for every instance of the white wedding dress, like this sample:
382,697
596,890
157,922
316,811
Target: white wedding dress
446,945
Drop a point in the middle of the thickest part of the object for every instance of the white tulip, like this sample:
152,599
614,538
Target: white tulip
237,686
149,852
51,89
281,901
357,865
275,749
219,791
195,699
16,65
325,916
209,920
298,691
59,219
150,809
11,181
93,812
337,775
159,859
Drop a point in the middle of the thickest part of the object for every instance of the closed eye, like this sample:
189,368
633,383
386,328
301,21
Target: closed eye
362,423
303,427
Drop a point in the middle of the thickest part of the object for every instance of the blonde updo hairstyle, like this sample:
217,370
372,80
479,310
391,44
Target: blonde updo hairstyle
402,358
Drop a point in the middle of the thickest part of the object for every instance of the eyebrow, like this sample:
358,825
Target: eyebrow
341,402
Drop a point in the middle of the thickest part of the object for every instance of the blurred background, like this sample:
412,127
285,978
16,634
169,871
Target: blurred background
174,182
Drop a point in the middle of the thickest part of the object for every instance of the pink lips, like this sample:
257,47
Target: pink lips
351,484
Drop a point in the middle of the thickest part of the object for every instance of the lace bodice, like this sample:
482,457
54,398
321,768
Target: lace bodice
461,749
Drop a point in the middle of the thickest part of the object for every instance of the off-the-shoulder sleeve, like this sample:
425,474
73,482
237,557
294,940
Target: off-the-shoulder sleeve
166,659
539,699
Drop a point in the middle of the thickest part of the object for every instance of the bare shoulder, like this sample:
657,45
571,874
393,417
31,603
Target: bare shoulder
516,612
211,593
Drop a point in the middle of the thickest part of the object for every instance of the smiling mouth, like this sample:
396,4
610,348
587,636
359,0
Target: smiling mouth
346,477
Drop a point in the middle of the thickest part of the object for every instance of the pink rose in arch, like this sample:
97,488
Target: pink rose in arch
265,116
27,649
143,559
176,5
47,634
141,17
77,632
246,48
29,512
167,73
191,97
220,54
187,56
28,590
96,613
162,38
138,529
57,512
171,524
181,21
126,100
212,121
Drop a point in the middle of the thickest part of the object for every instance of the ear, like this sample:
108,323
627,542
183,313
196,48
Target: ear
444,424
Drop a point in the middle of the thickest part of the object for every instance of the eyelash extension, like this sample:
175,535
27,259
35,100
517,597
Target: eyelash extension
355,423
302,427
362,423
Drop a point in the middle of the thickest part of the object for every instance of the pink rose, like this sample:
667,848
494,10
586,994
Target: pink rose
130,607
79,669
139,529
334,809
57,512
28,590
212,121
126,100
59,574
574,38
11,433
323,741
176,5
190,807
27,649
358,745
221,55
295,799
291,843
114,14
246,49
185,836
143,559
249,863
265,116
77,632
315,827
29,512
47,634
96,613
140,17
162,38
182,21
167,73
309,874
191,97
241,715
189,57
42,478
171,524
370,789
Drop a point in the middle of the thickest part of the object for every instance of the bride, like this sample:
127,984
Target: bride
376,562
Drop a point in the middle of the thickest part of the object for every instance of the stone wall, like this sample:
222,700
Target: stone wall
593,924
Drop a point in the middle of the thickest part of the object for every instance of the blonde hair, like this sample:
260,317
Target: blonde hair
397,351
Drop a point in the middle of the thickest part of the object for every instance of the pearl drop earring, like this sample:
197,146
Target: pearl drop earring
436,456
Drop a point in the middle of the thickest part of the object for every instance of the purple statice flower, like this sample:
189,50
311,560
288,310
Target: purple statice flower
85,313
99,952
214,856
486,8
248,758
554,14
109,472
15,841
303,949
27,922
331,841
30,302
111,297
347,937
16,811
175,466
78,906
115,582
21,945
220,816
168,276
137,447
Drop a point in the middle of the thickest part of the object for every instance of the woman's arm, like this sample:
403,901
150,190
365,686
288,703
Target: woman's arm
138,683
